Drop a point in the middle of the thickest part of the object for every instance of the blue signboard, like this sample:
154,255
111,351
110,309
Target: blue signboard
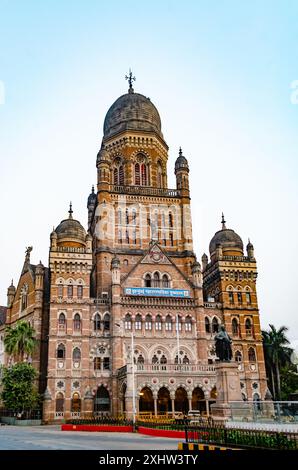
155,292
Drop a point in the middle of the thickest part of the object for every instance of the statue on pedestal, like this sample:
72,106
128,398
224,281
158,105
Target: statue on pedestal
223,345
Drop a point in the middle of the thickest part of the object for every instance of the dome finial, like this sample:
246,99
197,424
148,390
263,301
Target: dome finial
130,79
70,210
223,222
180,152
92,189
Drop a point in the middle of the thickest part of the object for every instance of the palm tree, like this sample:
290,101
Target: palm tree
277,354
20,340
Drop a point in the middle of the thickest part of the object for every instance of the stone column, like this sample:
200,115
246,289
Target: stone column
189,396
155,403
88,404
48,414
172,396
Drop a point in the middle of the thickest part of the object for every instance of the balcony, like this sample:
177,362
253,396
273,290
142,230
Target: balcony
152,301
180,368
145,191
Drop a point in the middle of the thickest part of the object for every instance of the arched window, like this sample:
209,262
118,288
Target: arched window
252,355
137,174
231,298
97,363
188,323
144,174
60,290
163,362
165,281
59,403
178,323
158,323
239,297
121,175
61,351
148,322
62,321
156,279
207,325
238,356
70,291
248,329
154,359
140,362
170,220
168,323
138,322
77,322
80,292
96,322
126,217
115,175
106,363
127,322
76,354
147,280
76,403
159,176
248,297
215,325
185,360
235,327
106,322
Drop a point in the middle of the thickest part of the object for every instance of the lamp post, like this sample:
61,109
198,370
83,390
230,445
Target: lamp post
133,377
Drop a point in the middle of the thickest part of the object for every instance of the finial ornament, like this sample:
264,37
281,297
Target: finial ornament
27,252
70,210
180,152
93,189
223,222
130,79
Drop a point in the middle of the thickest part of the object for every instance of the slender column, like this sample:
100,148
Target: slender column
207,408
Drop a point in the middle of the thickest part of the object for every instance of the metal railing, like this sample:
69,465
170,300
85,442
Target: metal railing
21,414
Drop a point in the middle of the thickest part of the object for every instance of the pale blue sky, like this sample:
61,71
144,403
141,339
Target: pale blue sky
220,73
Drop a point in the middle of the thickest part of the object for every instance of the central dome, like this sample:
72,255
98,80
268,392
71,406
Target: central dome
132,112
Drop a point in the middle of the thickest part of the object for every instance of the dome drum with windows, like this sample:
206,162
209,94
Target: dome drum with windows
70,232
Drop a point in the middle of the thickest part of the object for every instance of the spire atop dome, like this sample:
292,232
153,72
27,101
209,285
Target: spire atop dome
92,191
130,79
70,210
223,222
180,152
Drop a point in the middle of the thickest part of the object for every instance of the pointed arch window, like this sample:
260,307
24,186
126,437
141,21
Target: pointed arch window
238,356
138,322
165,281
121,175
76,354
215,325
248,327
169,323
137,174
60,290
207,325
159,176
77,322
235,327
170,220
96,322
148,323
106,322
252,355
127,322
158,323
147,280
115,175
144,174
156,279
188,323
62,321
61,351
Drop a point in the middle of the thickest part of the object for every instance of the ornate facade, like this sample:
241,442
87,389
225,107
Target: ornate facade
130,289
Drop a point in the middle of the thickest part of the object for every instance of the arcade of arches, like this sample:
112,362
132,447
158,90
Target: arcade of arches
166,403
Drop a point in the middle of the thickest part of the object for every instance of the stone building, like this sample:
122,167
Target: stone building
130,290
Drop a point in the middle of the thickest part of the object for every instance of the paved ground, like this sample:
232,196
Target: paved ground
51,438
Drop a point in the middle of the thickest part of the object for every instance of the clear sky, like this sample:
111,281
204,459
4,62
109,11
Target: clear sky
220,74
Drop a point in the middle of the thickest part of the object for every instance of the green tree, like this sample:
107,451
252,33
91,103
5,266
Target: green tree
289,381
19,392
20,340
277,354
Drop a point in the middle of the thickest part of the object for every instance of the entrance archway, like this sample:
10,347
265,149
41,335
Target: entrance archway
102,401
146,402
198,401
164,404
181,400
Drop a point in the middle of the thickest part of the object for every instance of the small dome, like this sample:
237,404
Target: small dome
181,161
71,230
91,198
227,238
134,112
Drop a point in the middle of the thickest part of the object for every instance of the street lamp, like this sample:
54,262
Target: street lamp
133,377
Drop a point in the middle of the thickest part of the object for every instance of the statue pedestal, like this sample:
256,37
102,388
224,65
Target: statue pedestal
229,402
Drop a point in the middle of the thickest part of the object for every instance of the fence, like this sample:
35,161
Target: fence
21,414
285,412
242,438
